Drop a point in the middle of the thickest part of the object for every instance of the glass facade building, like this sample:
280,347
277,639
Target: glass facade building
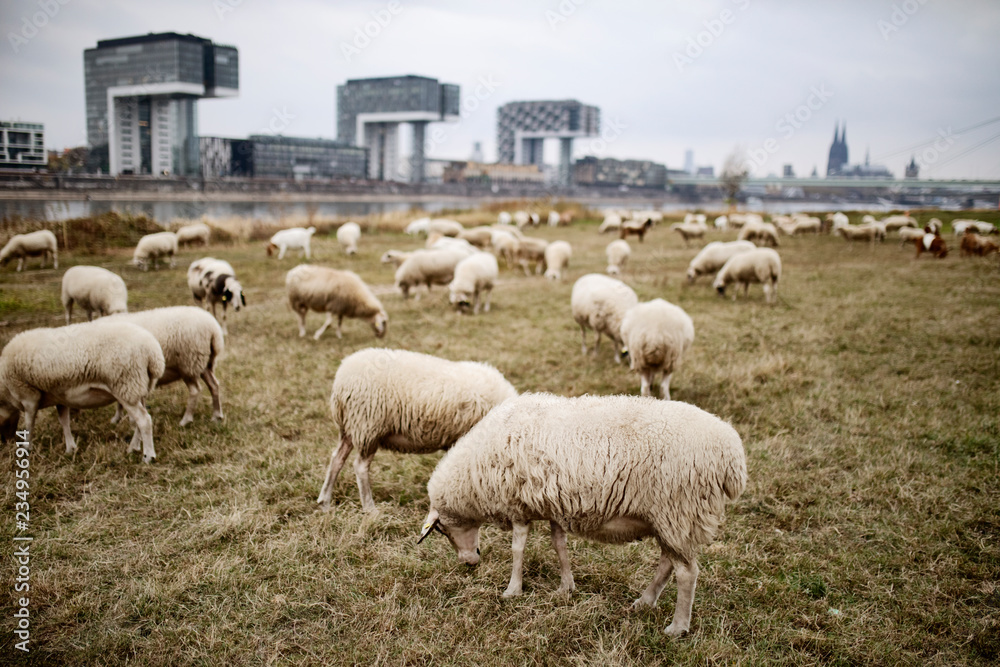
22,145
275,156
141,95
608,171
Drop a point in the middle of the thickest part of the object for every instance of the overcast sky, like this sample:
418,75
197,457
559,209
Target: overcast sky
668,76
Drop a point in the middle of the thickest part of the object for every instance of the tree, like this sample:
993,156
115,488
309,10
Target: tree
734,175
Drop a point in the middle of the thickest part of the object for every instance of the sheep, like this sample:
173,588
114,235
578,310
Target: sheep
152,247
213,281
557,255
712,257
295,238
201,267
405,402
439,242
530,250
348,235
617,253
554,218
870,232
688,231
695,219
599,303
192,342
932,243
504,218
521,219
894,222
656,335
418,226
614,469
959,226
43,242
635,227
191,233
933,226
837,220
481,237
612,222
474,276
336,293
722,223
504,244
978,244
760,265
763,233
395,257
81,366
444,227
806,224
95,290
428,267
909,235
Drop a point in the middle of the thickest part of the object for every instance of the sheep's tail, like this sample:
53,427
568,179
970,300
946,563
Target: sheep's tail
734,476
216,347
154,370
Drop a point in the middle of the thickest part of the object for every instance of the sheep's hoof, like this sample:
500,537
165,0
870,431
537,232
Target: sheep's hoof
186,420
148,459
512,592
674,631
217,417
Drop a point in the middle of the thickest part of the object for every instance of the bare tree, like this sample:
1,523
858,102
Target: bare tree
734,174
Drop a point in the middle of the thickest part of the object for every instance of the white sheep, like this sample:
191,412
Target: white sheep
557,255
152,247
722,223
908,235
95,290
657,334
612,223
474,277
805,224
41,243
348,235
444,227
959,226
689,230
504,218
531,250
481,236
870,232
521,219
81,367
763,233
711,258
599,303
405,402
294,238
617,253
554,218
428,267
504,244
192,343
418,226
760,265
894,222
837,220
336,293
199,231
614,469
395,257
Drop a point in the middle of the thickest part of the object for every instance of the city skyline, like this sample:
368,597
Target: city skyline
771,78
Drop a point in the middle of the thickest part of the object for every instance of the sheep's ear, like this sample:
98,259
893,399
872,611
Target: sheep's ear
429,525
243,298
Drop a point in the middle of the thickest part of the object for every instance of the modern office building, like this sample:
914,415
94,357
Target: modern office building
370,111
142,95
276,156
22,145
608,171
523,127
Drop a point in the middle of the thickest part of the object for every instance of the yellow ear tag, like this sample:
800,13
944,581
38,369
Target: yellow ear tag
427,526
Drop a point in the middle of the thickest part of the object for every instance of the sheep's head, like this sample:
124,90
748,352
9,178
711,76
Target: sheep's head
232,293
462,301
464,537
270,248
380,323
691,275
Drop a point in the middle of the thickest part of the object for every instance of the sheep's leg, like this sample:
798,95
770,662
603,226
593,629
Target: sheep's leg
340,321
55,259
489,297
119,413
566,584
767,292
518,542
301,313
524,265
225,330
361,465
665,386
687,577
67,434
307,250
597,341
69,311
337,460
213,387
475,304
327,323
144,429
644,384
20,264
583,333
193,391
281,252
652,592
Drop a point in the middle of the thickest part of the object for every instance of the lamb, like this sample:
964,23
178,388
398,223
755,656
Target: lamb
656,335
617,253
336,293
689,230
152,247
481,237
599,303
612,222
95,290
81,366
295,238
444,227
214,280
763,233
474,276
348,235
192,343
557,256
395,257
613,469
932,243
43,243
760,265
713,256
554,218
427,267
530,250
635,227
405,402
909,235
191,233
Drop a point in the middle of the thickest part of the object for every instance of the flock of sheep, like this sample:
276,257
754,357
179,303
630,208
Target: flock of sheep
612,468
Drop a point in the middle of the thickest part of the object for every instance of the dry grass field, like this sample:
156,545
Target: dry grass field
868,399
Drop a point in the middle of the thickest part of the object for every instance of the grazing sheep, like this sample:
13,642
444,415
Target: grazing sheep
418,226
762,233
805,224
894,222
689,230
721,223
481,237
557,256
713,256
191,233
636,228
836,221
959,226
531,250
201,267
152,247
213,281
656,335
474,276
428,267
599,303
933,226
614,469
336,293
504,218
348,235
95,290
932,243
617,253
909,235
869,232
980,245
192,343
81,366
612,222
294,238
760,265
41,243
504,245
395,257
554,218
405,402
444,227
